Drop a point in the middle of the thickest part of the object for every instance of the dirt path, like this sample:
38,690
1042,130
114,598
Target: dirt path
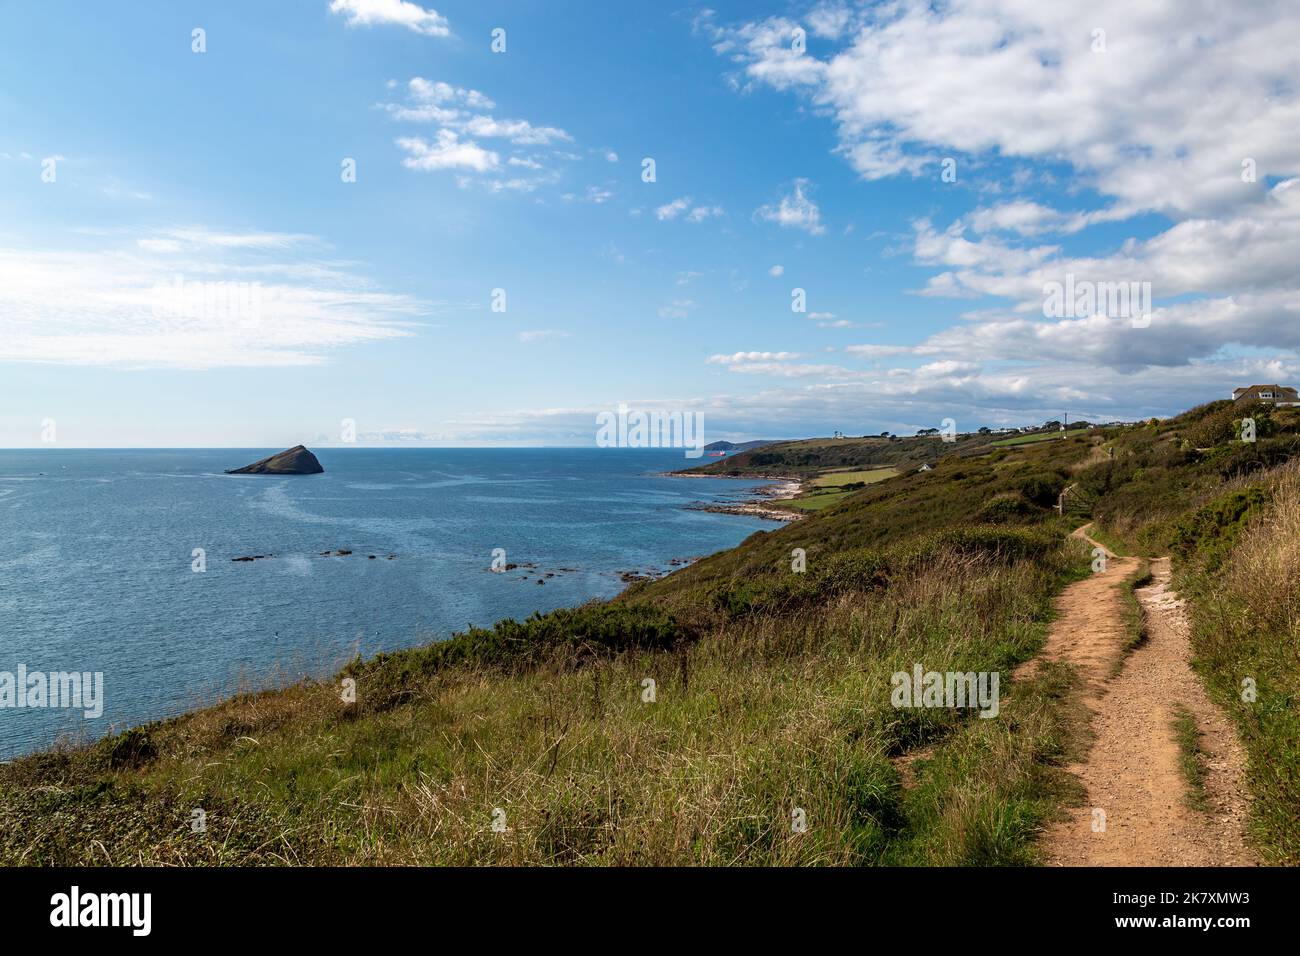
1132,772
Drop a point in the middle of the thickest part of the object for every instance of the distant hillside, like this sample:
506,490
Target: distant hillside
811,456
729,446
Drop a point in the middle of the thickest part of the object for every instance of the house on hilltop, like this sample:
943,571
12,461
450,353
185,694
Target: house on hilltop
1273,394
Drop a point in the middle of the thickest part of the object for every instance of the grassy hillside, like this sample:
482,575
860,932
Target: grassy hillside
1038,436
801,459
698,718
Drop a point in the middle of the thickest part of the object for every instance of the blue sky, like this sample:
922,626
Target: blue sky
521,170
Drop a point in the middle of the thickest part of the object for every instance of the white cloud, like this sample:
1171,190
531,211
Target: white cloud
793,370
697,214
778,365
446,152
672,209
367,13
677,309
829,20
439,92
463,117
736,358
952,248
467,111
776,271
159,245
520,132
1028,218
197,237
766,49
542,335
795,211
878,351
701,213
233,301
1161,122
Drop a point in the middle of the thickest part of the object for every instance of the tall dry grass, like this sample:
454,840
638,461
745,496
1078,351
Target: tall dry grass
1246,635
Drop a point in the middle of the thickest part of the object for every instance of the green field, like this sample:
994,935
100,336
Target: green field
1040,436
817,500
840,478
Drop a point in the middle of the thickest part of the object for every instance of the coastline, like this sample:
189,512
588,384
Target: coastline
759,505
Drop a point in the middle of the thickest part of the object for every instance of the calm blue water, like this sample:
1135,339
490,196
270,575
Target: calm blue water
95,560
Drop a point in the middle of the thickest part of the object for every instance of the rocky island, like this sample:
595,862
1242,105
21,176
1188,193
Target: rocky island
295,461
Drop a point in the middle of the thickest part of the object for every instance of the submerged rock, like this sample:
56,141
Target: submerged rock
295,461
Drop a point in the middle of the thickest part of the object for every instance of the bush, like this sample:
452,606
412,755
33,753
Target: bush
572,634
1004,545
1209,534
860,569
133,749
1261,455
1005,508
1042,488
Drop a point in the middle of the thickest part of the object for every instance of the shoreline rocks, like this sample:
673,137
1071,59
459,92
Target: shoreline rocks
757,506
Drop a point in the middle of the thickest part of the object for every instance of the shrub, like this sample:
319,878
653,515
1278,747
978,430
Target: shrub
572,635
860,569
1042,488
1260,455
1209,534
1005,508
1005,545
1215,427
135,748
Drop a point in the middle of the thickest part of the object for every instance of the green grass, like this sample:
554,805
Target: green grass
1037,437
1191,759
1246,634
832,488
1135,622
1104,537
840,478
815,501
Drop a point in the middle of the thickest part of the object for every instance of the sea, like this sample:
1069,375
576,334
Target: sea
122,563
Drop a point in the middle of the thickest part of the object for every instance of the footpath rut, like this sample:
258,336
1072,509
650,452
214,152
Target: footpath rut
1132,771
